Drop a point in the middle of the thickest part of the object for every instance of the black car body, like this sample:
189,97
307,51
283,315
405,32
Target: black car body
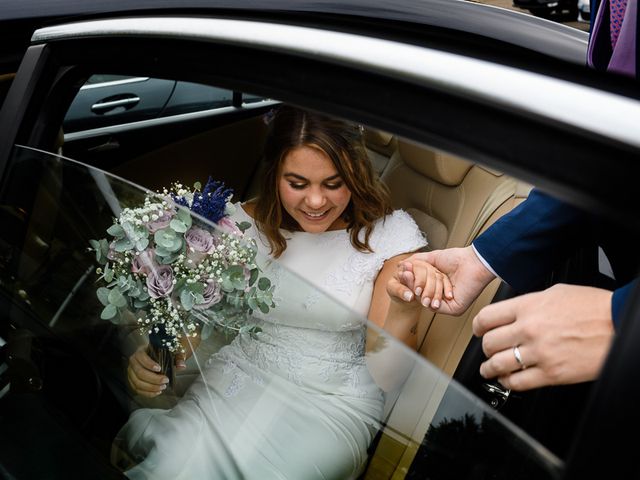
506,91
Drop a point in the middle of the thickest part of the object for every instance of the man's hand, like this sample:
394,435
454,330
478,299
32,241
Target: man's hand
563,335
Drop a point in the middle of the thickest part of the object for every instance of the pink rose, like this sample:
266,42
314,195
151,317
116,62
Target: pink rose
160,281
228,225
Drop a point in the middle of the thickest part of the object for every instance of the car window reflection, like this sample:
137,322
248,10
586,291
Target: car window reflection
55,206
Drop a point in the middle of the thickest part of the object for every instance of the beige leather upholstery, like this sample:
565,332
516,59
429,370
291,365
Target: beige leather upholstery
380,147
452,200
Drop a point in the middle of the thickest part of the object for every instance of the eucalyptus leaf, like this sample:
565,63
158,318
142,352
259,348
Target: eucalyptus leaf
161,251
103,295
235,299
116,230
179,284
108,312
253,304
264,283
227,284
243,226
123,244
168,239
125,283
95,244
108,274
104,251
196,288
185,217
186,298
167,259
254,276
178,226
116,298
142,244
140,303
144,296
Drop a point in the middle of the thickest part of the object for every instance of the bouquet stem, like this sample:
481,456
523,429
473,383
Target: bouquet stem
163,356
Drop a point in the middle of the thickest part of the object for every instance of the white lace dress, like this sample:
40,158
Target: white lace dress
296,401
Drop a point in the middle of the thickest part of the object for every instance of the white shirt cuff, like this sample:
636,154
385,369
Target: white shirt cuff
484,262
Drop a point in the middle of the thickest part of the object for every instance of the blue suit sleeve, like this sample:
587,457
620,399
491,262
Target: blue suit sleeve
618,301
524,245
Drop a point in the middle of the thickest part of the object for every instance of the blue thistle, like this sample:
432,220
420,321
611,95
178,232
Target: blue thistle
212,201
181,201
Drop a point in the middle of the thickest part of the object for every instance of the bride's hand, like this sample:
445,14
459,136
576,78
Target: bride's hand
189,346
143,374
429,284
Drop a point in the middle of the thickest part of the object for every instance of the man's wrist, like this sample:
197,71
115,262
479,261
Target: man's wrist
490,272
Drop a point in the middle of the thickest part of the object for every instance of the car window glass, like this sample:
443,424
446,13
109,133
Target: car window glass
249,98
99,78
73,345
113,100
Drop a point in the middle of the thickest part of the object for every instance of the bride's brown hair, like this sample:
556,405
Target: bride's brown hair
343,143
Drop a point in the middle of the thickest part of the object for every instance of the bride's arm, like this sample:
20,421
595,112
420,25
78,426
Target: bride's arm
388,363
395,315
394,307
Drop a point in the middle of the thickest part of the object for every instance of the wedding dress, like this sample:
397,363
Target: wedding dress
295,401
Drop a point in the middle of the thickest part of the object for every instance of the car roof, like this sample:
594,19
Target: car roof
383,16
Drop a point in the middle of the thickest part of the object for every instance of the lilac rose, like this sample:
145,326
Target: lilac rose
144,262
199,240
162,222
199,243
212,294
160,281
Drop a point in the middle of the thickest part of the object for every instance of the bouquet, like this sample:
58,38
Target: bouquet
178,276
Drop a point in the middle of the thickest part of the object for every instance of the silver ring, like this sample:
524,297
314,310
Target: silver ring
516,353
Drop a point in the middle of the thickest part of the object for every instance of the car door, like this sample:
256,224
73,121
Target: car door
422,103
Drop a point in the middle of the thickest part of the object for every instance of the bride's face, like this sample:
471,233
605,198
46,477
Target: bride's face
312,191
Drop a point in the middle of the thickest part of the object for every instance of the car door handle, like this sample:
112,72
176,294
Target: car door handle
109,104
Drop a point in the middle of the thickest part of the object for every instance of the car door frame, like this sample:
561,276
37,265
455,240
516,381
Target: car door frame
51,68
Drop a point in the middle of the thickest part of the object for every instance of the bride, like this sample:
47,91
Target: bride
296,400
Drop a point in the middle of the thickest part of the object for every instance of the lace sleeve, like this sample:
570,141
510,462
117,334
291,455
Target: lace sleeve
395,234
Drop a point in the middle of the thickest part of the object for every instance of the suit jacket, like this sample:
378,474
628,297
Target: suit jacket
525,245
624,57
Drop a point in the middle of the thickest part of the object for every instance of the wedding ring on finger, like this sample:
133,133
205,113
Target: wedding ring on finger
516,353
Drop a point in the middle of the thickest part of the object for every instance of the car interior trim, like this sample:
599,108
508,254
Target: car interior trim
558,100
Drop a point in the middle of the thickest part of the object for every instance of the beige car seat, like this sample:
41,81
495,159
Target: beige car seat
452,200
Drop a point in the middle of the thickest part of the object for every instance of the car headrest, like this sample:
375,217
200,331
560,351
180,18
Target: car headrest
440,167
